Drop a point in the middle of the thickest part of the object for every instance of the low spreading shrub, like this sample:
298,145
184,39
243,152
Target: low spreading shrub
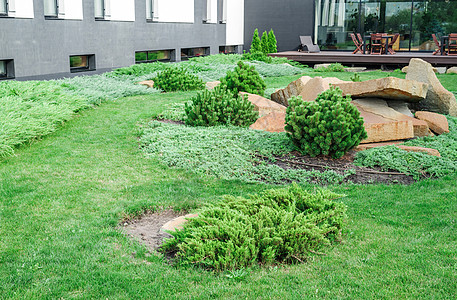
175,79
279,225
244,78
331,125
220,107
336,67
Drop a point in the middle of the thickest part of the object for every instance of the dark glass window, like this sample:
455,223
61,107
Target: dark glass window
152,56
2,69
193,52
81,63
228,49
6,69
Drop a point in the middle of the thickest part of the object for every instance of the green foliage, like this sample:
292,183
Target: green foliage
279,225
244,78
331,125
336,67
220,107
257,56
139,69
228,153
177,79
264,45
272,43
417,164
174,112
255,44
356,77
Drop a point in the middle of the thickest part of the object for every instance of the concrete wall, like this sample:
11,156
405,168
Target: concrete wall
41,47
288,18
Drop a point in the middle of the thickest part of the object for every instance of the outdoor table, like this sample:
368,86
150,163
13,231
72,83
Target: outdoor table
444,41
387,38
366,40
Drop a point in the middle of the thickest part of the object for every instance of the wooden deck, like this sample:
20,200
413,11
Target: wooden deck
347,58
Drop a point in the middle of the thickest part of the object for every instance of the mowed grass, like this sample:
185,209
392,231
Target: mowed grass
62,198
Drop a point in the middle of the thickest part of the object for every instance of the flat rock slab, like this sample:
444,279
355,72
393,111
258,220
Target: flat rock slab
294,88
388,88
401,107
380,129
263,105
381,108
148,83
437,123
273,122
212,84
428,151
452,70
355,69
438,99
177,223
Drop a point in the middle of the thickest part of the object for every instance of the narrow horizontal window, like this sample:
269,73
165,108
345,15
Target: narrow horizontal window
153,55
6,69
228,49
194,52
82,63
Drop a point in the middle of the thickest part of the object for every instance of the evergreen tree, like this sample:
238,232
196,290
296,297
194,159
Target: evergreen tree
264,43
255,45
272,43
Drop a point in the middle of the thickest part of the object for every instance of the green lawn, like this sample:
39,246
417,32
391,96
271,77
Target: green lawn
62,198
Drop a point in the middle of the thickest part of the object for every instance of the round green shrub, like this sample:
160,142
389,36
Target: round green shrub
220,107
177,79
279,225
244,78
330,125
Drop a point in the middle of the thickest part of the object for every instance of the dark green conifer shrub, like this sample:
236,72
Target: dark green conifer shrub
330,125
177,79
255,44
264,45
244,78
220,107
258,56
272,43
279,225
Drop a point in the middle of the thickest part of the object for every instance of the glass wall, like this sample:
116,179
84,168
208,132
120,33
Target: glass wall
415,21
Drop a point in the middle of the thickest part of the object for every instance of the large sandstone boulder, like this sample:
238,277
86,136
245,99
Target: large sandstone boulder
306,87
388,88
263,105
381,129
273,122
437,123
380,107
400,106
452,70
438,99
148,83
177,223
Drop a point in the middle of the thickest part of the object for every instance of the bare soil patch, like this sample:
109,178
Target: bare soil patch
146,229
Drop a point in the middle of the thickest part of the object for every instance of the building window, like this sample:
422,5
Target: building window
7,8
211,12
194,52
228,49
152,56
51,8
3,7
82,63
102,9
6,69
152,12
224,12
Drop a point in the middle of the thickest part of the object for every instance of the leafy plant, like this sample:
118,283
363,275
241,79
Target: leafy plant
257,56
177,79
255,44
244,78
220,107
331,125
279,225
356,77
336,67
272,43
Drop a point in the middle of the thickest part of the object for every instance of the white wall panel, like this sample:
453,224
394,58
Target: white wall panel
122,10
24,9
74,9
181,11
235,22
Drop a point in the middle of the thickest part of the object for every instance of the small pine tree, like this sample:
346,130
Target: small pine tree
272,43
255,45
264,43
244,78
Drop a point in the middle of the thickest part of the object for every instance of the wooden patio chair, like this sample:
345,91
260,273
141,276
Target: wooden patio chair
437,43
376,43
392,43
362,42
357,44
452,44
306,42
